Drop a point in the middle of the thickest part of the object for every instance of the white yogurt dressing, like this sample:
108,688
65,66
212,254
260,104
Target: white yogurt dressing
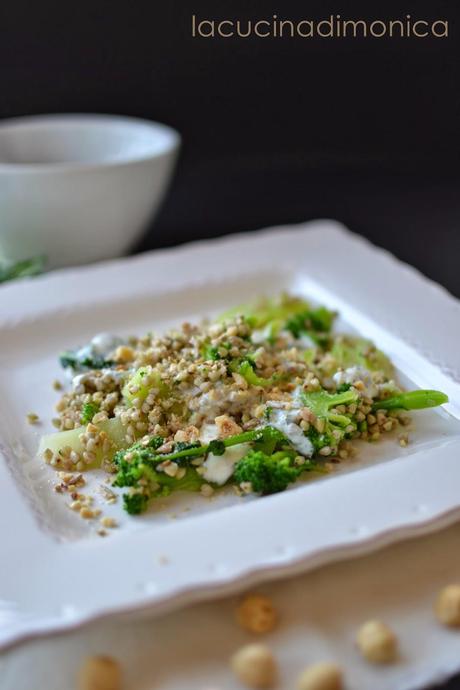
219,468
104,343
101,345
79,380
283,420
357,373
305,341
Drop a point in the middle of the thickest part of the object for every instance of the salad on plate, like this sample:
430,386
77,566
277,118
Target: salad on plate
258,399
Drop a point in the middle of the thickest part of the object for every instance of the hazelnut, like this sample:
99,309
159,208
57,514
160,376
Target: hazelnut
447,606
376,642
322,676
255,666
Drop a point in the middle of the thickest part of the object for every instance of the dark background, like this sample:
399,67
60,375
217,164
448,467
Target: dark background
275,131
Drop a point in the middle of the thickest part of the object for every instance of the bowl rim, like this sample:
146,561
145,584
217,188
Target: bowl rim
169,148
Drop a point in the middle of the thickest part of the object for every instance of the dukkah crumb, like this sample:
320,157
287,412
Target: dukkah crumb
257,614
109,522
258,399
100,673
403,440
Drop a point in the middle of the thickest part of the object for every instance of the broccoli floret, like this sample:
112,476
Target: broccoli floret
246,369
137,466
211,352
146,444
216,447
349,351
21,269
146,483
266,311
88,411
135,503
184,453
315,323
72,360
336,426
289,313
269,474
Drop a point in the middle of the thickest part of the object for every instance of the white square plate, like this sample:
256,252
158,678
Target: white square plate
57,573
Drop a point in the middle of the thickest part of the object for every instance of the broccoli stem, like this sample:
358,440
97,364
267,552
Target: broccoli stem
413,400
244,437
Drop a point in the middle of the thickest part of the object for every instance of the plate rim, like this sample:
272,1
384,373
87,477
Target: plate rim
43,288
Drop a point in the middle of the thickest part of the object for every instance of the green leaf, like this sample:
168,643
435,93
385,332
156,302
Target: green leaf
22,269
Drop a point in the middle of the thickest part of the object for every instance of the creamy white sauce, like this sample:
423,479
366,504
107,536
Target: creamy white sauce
78,382
305,341
388,387
261,335
283,420
357,373
104,343
116,375
210,407
219,468
208,432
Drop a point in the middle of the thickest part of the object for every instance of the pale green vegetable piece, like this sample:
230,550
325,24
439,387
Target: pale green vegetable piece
141,383
62,439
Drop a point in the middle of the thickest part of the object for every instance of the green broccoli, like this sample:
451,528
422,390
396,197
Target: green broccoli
21,269
135,503
336,426
286,313
265,312
156,484
413,400
184,453
316,323
246,369
269,474
146,483
349,351
88,411
137,465
211,352
71,359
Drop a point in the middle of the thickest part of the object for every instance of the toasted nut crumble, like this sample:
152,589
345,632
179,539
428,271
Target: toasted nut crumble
100,673
109,522
377,642
257,614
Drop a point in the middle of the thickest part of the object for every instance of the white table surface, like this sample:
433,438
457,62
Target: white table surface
320,611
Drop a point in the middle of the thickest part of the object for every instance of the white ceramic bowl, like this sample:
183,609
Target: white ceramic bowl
79,188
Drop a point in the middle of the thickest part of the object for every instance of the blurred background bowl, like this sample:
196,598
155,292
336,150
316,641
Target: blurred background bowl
79,188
